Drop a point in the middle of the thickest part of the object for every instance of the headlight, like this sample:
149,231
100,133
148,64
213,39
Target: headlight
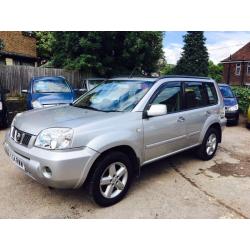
36,104
1,105
55,138
233,108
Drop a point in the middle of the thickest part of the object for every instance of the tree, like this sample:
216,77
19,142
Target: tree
44,44
215,71
108,53
194,58
2,44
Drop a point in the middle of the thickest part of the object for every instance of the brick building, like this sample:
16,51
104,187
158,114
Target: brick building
237,67
18,48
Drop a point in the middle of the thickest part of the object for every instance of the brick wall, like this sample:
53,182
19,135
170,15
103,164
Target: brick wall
236,79
16,42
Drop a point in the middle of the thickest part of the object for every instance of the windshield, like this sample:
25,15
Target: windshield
57,85
226,92
114,96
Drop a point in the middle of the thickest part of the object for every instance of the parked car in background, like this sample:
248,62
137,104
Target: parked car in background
110,132
231,104
46,91
90,83
4,117
248,117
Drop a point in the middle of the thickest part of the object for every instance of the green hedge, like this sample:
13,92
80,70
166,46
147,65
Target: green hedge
243,94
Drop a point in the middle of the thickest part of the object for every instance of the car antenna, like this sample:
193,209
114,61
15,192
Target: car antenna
132,73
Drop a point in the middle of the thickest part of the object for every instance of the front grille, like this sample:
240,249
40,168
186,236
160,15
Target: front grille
20,137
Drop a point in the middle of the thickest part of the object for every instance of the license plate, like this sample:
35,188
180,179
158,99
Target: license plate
17,161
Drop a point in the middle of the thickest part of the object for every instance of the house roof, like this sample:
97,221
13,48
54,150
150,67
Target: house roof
17,55
242,54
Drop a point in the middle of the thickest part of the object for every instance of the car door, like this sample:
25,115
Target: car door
196,111
165,134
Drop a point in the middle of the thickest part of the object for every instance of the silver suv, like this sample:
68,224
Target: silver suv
107,134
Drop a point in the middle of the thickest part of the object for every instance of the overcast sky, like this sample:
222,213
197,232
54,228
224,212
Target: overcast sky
219,44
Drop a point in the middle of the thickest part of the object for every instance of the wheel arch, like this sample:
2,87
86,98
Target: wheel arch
127,150
217,126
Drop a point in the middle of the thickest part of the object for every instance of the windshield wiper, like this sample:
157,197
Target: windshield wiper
113,110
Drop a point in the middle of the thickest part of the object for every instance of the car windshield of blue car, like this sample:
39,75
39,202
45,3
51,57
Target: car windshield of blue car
114,96
226,92
50,86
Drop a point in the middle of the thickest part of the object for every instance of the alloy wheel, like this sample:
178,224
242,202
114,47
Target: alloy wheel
113,180
211,144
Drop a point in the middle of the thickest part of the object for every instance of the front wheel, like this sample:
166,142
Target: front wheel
111,178
209,145
5,120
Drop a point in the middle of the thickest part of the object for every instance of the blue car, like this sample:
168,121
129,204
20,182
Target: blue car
48,91
231,104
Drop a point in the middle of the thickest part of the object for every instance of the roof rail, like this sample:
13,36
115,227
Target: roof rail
134,76
185,76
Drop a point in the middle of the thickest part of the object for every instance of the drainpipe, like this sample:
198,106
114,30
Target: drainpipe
229,71
243,74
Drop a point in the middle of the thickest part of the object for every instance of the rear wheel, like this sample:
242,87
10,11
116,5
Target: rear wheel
111,178
209,145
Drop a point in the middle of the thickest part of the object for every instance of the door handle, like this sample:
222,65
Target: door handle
181,119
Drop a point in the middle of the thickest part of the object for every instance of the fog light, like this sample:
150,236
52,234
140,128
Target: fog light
47,173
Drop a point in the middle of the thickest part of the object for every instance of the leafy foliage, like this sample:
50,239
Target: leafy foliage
108,53
215,71
243,94
1,44
44,44
167,69
194,58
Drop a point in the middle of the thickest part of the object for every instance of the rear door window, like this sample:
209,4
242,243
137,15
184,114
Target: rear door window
194,95
211,93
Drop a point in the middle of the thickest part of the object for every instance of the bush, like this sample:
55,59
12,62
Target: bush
243,94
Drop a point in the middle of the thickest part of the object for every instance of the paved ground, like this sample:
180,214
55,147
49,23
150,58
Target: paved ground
178,187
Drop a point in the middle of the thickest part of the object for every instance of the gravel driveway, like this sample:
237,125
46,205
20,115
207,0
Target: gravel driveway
178,187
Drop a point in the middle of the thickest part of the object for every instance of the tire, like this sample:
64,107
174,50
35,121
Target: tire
107,169
234,122
203,152
5,121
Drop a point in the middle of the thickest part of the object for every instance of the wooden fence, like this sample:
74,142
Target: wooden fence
15,78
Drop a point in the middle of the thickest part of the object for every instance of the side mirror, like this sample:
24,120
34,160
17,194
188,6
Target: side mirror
24,91
157,110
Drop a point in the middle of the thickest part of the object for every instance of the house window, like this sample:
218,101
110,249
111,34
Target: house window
237,69
248,68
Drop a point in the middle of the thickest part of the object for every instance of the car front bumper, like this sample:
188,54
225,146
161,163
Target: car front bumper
232,115
69,168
